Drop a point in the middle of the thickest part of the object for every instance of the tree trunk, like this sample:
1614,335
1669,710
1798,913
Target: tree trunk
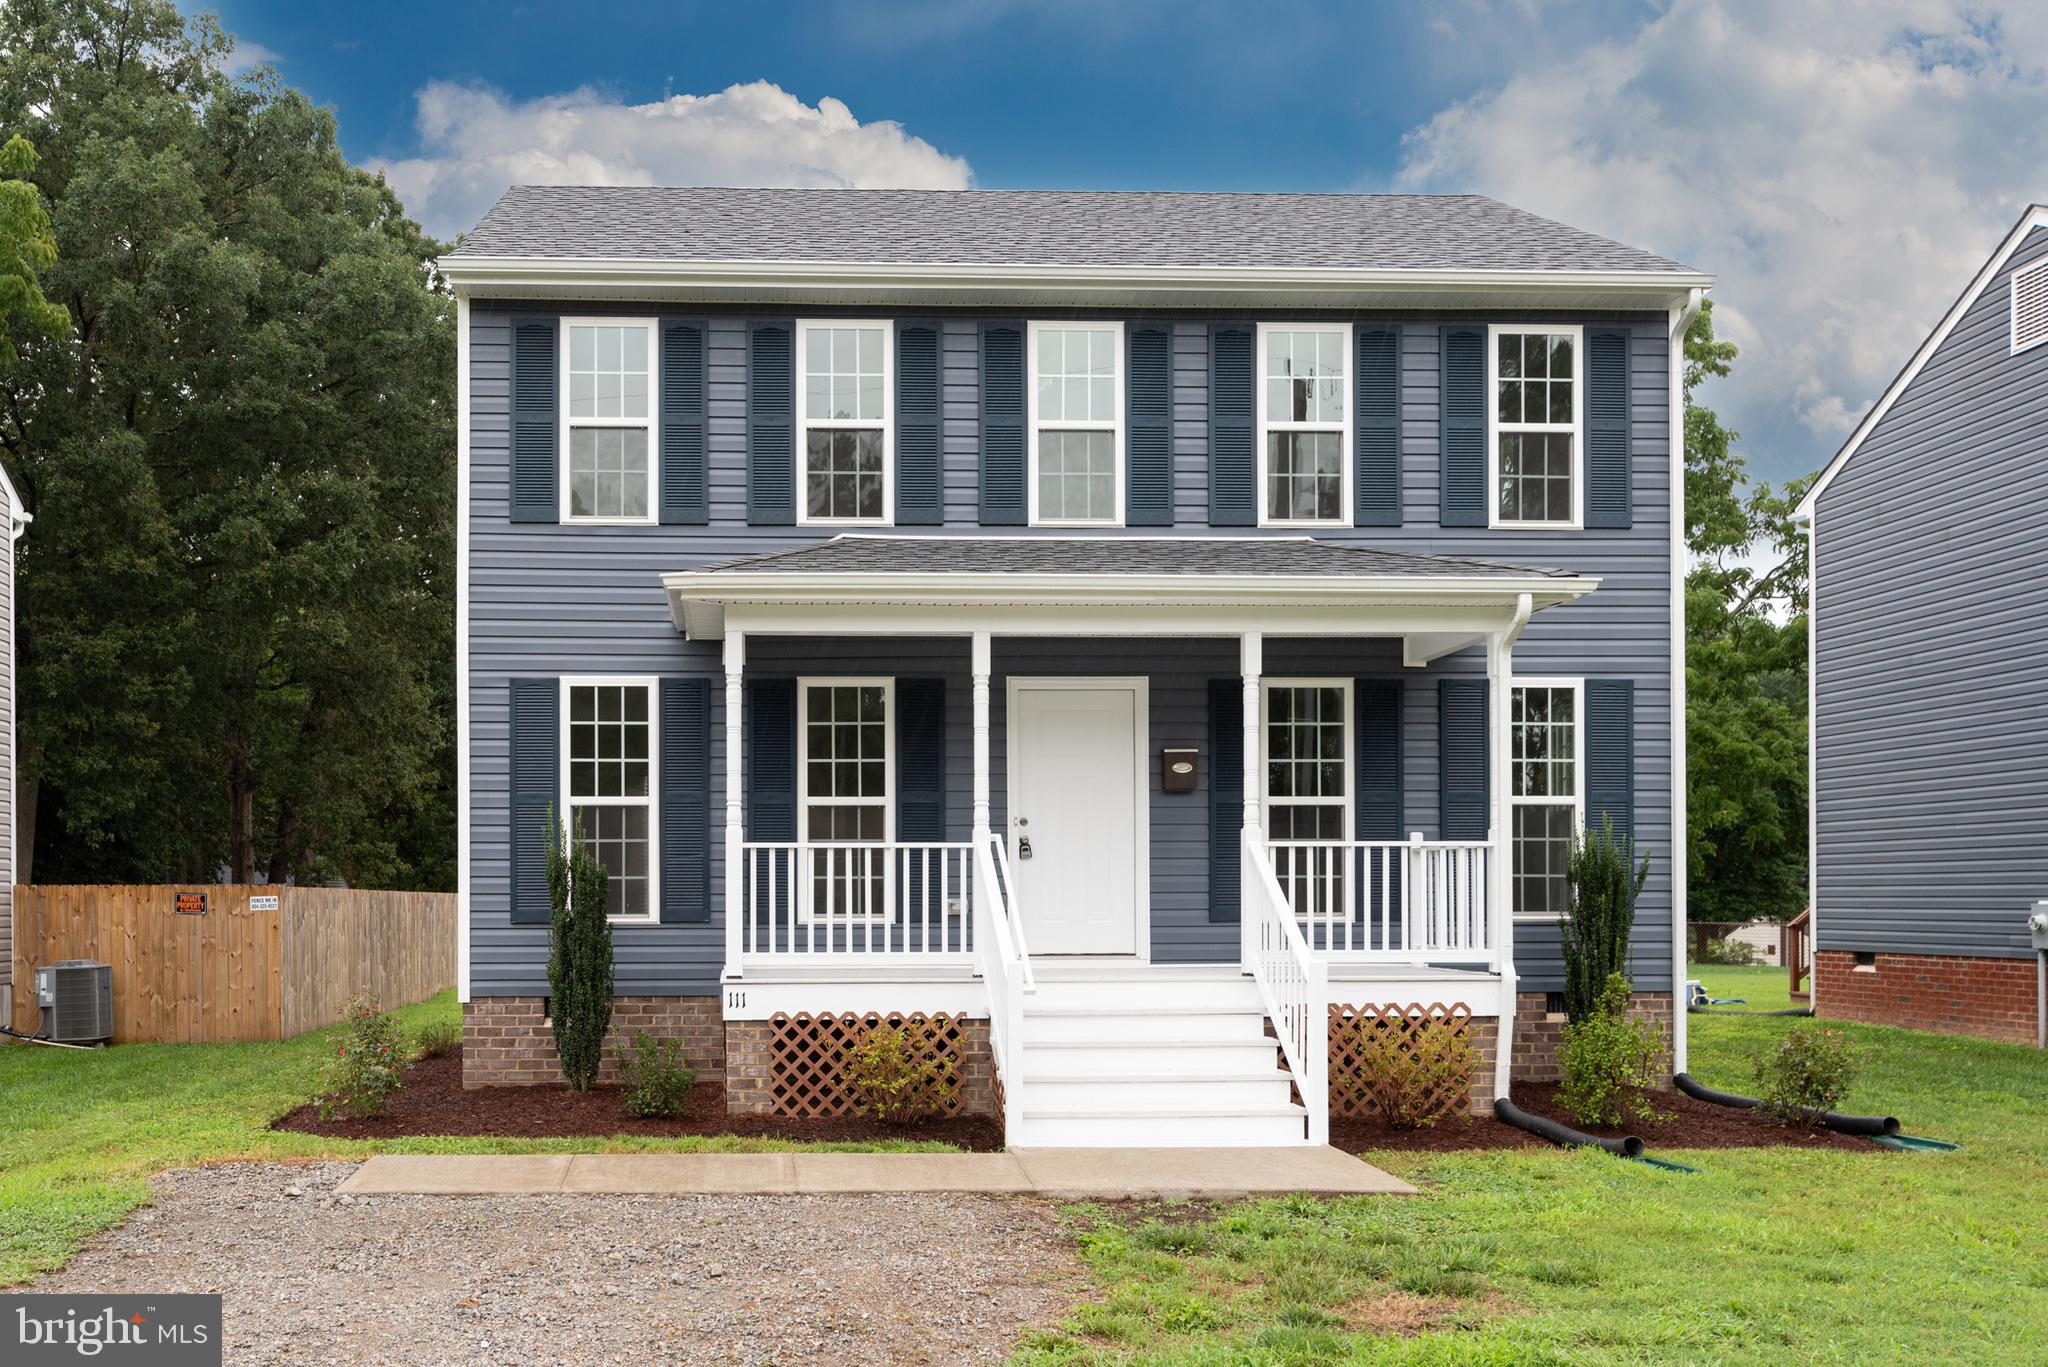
241,810
26,791
285,852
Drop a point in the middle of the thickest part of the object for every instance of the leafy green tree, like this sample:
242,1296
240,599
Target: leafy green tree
27,248
1745,623
236,608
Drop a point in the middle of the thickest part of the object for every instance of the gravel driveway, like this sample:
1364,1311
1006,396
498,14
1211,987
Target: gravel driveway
588,1279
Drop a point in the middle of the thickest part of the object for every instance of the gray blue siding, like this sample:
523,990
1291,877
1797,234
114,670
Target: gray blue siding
1931,655
548,599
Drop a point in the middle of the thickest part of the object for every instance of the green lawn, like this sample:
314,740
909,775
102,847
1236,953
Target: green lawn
1553,1257
80,1133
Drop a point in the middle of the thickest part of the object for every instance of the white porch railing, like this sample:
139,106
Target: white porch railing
1407,901
1294,982
1004,963
909,902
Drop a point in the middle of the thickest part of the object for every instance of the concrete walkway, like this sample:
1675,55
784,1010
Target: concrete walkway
1064,1174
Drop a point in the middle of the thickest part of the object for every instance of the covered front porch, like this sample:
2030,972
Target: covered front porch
1018,788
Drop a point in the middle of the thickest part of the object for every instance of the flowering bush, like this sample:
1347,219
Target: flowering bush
437,1039
900,1074
1610,1062
1806,1074
369,1062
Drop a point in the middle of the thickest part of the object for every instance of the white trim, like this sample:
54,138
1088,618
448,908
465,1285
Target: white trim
1577,685
2036,216
804,801
1494,426
569,802
1674,379
1266,423
1115,425
1347,800
1812,522
1140,687
886,425
462,743
651,424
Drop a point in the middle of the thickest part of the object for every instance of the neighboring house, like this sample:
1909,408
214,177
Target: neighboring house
892,584
1930,672
1765,939
17,520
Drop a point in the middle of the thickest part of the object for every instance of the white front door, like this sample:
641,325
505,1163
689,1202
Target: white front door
1077,815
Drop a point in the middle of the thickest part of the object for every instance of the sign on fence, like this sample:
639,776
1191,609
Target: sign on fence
263,901
191,904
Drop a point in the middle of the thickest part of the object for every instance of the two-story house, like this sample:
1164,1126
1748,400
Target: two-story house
1123,625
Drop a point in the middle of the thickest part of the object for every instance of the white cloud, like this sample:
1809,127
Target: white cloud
475,141
1843,167
246,56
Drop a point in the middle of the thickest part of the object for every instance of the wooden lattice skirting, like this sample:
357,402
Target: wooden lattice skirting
1427,1034
808,1054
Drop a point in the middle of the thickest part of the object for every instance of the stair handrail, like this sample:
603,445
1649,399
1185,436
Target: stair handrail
1012,919
1294,983
1005,974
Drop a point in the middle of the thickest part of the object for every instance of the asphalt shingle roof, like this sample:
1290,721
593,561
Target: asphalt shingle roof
1272,555
1040,228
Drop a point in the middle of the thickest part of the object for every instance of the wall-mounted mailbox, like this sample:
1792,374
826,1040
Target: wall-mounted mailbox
1177,770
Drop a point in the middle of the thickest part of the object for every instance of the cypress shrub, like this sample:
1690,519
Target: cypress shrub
579,958
1604,881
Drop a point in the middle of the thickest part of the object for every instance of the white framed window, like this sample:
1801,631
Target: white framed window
846,775
1546,789
611,771
1535,385
1304,425
608,416
1076,422
845,409
1305,732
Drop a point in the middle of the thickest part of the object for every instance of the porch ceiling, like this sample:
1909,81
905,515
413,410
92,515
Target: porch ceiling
1122,585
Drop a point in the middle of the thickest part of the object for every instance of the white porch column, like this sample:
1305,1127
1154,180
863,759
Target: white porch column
1252,663
735,857
979,667
1500,851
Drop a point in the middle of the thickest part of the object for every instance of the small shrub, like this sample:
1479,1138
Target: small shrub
1410,1074
369,1063
579,957
900,1074
658,1082
1610,1062
1727,952
1808,1073
437,1039
1604,879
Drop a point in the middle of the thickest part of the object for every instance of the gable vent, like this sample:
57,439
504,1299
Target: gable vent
2030,306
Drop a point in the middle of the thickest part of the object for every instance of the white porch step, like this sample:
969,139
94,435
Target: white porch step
1232,993
1148,1058
1207,1094
1186,1024
1248,1127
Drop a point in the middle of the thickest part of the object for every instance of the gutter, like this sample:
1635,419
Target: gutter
1681,319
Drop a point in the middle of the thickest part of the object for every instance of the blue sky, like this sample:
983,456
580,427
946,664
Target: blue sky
1842,165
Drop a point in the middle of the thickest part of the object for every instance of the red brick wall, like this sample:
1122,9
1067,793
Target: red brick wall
1539,1036
1952,994
506,1042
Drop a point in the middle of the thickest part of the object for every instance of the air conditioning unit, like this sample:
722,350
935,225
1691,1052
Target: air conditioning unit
77,997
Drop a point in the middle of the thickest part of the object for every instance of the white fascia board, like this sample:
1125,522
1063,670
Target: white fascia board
2036,216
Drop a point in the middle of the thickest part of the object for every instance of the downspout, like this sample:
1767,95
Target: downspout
462,745
1681,316
1806,522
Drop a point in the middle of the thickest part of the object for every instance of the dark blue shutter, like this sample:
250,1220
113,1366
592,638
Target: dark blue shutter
919,490
1002,425
1462,427
1226,796
536,420
685,799
1376,492
1233,418
536,793
1611,754
771,424
771,759
1148,440
920,759
685,498
1461,757
1609,501
1378,705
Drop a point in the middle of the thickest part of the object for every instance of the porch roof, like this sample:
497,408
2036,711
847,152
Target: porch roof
1037,584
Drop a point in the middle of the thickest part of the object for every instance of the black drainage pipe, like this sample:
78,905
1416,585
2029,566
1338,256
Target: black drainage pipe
1869,1126
1709,1011
1628,1146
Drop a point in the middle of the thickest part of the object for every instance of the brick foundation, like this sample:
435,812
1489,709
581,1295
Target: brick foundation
765,1077
1539,1035
1955,995
506,1042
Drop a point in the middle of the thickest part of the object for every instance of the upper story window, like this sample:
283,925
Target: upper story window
609,773
1076,436
608,420
1535,378
843,421
1304,424
1545,793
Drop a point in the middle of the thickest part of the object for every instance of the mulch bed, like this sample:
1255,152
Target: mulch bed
1693,1125
432,1102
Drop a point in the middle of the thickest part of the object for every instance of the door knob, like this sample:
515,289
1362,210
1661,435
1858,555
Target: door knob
1024,847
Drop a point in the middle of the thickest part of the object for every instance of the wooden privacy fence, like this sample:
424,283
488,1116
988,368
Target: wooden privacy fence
258,963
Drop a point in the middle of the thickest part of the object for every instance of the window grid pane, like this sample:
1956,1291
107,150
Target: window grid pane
616,836
1076,375
1543,743
609,736
1542,838
843,473
1304,476
1076,476
843,374
1305,377
608,371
